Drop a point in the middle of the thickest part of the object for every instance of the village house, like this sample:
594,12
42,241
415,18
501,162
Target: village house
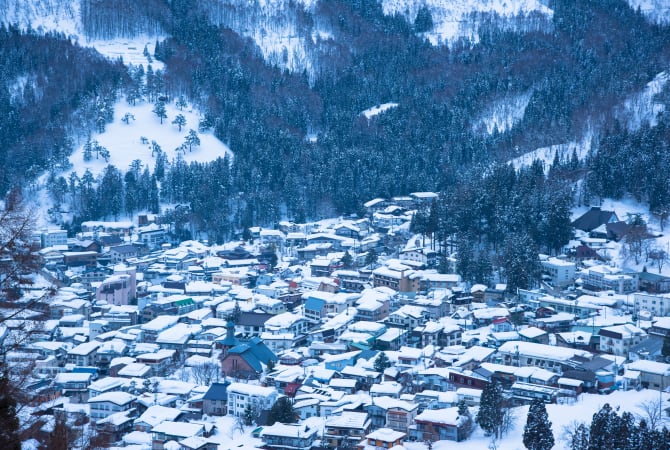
346,429
383,438
106,404
289,436
174,431
439,424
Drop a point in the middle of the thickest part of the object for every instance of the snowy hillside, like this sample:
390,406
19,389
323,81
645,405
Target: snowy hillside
453,19
655,10
42,15
127,142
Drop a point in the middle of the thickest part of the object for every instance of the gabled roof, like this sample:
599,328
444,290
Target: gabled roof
593,218
217,391
254,352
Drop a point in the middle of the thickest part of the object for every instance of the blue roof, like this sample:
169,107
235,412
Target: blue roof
217,391
254,352
314,304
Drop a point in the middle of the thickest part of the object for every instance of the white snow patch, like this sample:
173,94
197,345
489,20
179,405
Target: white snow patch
376,110
657,11
451,18
42,15
130,49
503,114
641,108
546,154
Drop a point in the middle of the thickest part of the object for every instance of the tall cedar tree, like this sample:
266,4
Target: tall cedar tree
537,434
491,414
604,428
282,411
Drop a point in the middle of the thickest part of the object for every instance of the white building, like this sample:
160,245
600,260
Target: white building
658,305
609,278
240,395
619,339
562,272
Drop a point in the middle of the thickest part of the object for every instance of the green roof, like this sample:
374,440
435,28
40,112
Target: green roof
184,302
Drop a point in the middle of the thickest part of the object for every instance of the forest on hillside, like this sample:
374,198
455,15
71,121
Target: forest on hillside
302,148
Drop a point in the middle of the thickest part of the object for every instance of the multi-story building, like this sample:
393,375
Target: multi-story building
658,305
606,278
110,403
562,272
619,339
289,436
240,395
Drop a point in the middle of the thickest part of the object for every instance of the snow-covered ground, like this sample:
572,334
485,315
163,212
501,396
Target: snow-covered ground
378,109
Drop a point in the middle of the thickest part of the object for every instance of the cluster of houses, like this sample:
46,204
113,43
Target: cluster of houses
149,343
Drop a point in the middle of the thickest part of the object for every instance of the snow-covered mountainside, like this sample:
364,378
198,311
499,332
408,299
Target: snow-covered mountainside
42,15
657,11
455,19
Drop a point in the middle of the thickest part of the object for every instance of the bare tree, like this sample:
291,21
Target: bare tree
569,431
651,413
658,256
206,372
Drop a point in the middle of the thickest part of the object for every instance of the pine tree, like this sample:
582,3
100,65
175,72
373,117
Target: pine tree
382,362
537,434
180,121
491,415
192,139
160,111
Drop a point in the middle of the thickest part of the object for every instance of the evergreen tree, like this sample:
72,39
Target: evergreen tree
249,414
382,362
604,428
347,260
88,150
537,434
423,21
181,103
491,414
282,411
